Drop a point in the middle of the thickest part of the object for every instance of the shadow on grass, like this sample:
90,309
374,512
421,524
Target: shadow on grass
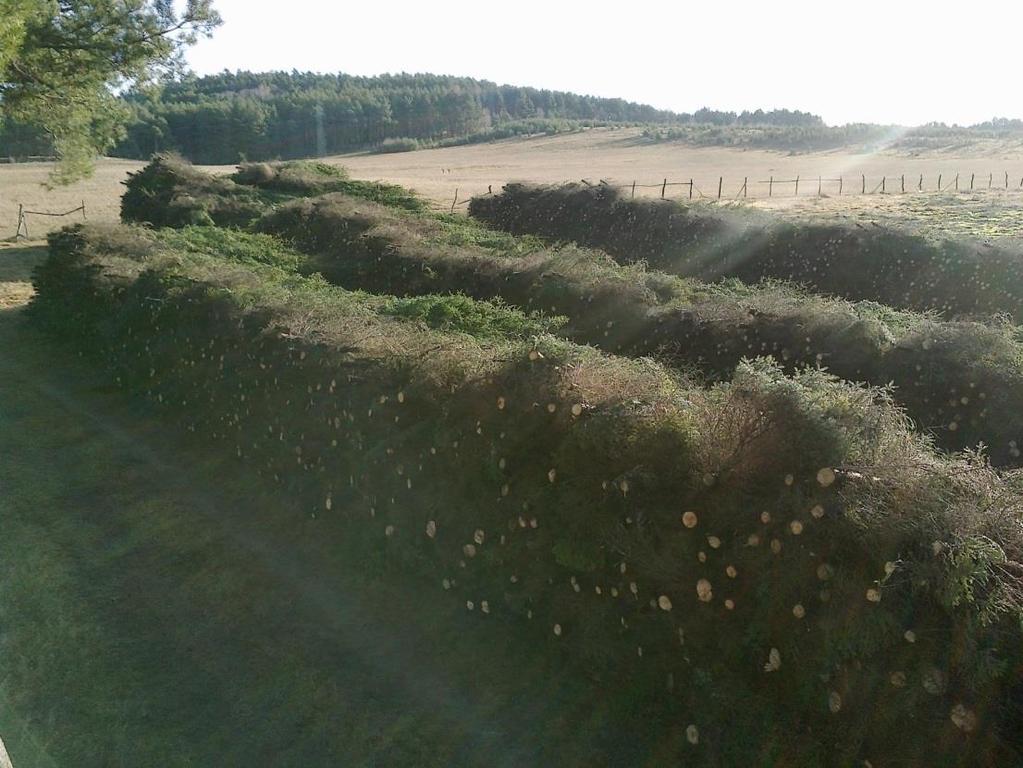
163,606
18,261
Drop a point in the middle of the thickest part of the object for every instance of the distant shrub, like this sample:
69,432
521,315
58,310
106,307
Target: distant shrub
388,146
255,174
812,136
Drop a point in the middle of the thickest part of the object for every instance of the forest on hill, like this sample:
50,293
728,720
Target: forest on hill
228,117
237,116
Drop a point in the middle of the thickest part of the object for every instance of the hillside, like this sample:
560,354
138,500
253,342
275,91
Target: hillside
225,118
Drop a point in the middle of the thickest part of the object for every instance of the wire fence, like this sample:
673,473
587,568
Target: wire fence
812,186
22,231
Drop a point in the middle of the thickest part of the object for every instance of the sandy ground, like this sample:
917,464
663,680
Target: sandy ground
16,265
621,156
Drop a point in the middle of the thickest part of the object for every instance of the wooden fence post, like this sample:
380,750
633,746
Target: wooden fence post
797,186
920,186
455,201
721,180
864,184
971,181
691,189
84,218
957,182
939,182
903,182
664,186
633,189
1006,179
770,187
840,185
819,182
990,178
21,222
745,181
883,179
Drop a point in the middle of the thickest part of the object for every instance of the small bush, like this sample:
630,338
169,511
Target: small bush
388,146
171,193
255,174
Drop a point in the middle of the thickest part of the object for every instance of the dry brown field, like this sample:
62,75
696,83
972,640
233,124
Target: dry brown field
621,157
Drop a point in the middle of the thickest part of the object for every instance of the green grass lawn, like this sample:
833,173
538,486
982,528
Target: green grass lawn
159,607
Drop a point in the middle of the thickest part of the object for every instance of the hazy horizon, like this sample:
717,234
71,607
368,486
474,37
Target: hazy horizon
843,61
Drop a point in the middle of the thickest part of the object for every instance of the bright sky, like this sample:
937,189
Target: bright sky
884,61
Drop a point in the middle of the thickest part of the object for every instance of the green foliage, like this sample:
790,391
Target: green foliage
233,245
458,230
935,365
502,130
809,134
393,146
887,265
974,565
302,177
629,310
307,177
555,478
171,193
807,137
483,319
59,61
391,195
17,15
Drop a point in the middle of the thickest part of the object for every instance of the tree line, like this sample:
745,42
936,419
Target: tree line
226,117
231,116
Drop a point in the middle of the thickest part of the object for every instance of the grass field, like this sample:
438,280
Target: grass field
621,156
